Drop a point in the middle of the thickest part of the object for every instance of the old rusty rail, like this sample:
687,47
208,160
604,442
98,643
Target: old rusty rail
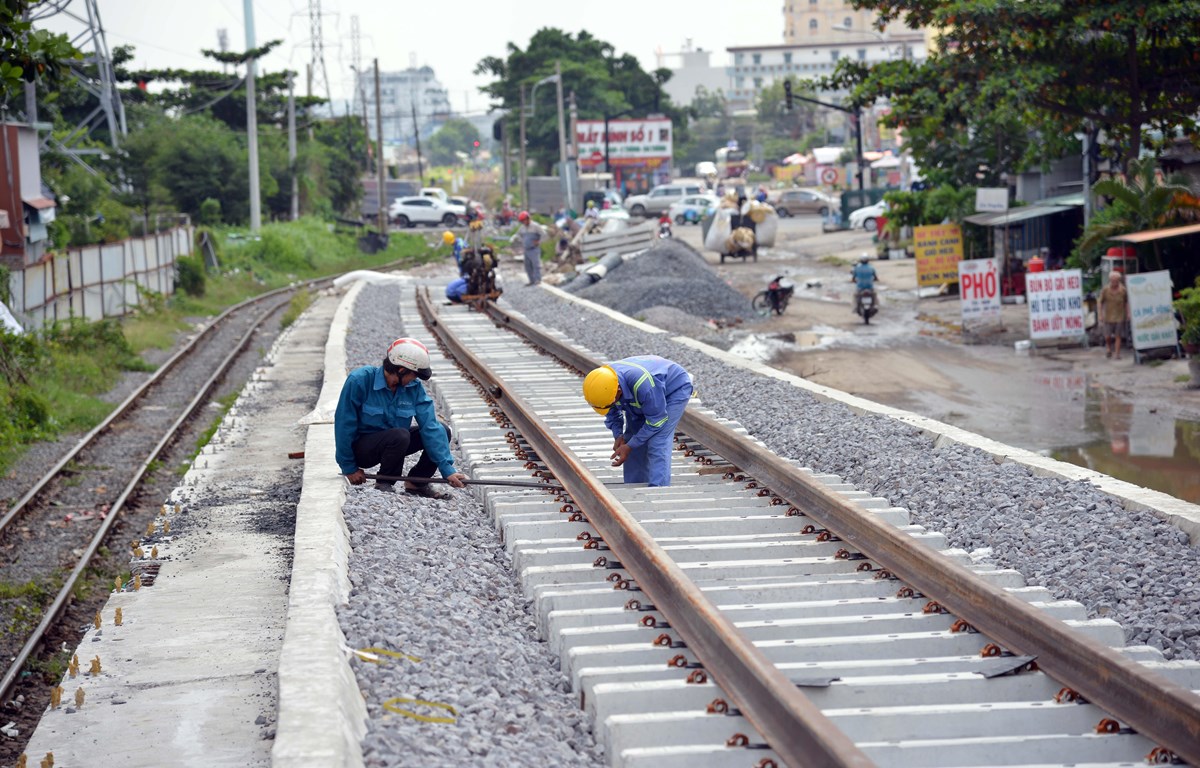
793,726
1153,705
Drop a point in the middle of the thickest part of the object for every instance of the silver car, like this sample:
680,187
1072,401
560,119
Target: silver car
660,198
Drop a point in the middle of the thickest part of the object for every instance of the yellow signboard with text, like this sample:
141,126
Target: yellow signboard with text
938,248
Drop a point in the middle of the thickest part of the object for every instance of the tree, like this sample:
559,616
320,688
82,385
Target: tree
603,83
453,137
1141,201
1121,65
29,55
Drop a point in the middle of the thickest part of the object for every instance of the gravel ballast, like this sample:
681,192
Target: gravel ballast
1068,536
669,274
431,579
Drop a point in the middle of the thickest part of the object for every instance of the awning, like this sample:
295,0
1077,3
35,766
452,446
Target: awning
1157,234
886,162
1015,215
40,203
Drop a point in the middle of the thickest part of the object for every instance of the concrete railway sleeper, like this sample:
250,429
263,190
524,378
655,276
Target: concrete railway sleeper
843,635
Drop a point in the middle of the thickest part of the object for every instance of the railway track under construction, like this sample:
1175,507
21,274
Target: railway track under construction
56,533
756,613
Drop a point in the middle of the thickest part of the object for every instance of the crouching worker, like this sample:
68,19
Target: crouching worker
642,399
456,289
373,423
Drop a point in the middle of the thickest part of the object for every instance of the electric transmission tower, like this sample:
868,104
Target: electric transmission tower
94,73
319,76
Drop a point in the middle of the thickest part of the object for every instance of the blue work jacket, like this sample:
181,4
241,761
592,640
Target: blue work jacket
367,406
864,276
646,382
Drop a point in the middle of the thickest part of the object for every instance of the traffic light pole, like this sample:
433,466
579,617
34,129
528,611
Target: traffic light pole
857,113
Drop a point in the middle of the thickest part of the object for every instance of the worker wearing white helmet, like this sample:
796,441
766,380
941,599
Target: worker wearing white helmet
373,423
641,399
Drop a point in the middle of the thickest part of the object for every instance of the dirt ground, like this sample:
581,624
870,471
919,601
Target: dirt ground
914,355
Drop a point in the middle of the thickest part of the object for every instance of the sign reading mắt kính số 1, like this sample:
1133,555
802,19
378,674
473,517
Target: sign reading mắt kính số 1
1055,303
1151,316
938,249
979,291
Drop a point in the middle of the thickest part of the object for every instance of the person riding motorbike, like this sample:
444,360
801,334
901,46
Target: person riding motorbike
864,277
664,225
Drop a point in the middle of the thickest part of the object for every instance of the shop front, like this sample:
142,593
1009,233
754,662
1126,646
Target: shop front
636,152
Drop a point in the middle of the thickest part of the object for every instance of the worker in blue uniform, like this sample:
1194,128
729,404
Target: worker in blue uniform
642,399
373,423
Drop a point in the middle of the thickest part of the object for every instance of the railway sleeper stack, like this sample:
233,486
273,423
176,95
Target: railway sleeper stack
906,681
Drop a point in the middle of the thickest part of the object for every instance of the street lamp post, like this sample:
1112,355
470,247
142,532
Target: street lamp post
529,113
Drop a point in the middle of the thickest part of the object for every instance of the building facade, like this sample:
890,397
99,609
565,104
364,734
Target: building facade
753,68
694,71
399,93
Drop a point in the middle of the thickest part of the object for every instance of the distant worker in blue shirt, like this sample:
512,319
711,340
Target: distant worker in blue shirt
456,289
642,399
373,423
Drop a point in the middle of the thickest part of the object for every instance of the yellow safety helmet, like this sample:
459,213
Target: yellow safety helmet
600,389
448,237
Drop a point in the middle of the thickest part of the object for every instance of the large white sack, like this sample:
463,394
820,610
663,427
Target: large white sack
766,230
720,230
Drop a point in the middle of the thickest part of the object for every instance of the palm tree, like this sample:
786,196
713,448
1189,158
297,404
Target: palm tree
1140,202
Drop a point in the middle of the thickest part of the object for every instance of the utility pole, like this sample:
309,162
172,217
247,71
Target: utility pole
252,120
573,151
291,128
417,136
563,171
379,163
521,148
507,159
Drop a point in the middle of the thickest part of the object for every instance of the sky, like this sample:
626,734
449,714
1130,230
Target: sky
450,37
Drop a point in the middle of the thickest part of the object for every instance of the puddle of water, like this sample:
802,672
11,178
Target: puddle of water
1135,443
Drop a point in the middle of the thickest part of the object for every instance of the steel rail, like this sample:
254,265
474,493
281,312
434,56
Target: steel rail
50,615
793,726
1154,706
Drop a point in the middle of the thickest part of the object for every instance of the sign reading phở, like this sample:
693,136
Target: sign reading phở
1055,303
628,140
979,289
1151,317
938,249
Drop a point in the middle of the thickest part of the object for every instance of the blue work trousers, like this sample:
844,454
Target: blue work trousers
651,462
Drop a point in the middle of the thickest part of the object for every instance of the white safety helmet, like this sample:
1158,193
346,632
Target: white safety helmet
864,258
785,283
411,355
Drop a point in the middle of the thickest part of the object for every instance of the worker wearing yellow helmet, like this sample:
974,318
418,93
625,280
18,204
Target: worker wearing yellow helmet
458,244
642,399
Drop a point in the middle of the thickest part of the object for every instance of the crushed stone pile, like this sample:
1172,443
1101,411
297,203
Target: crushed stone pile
670,274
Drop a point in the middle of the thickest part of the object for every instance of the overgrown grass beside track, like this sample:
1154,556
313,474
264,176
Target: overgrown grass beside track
51,380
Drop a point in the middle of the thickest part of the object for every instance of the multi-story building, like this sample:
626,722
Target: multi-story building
399,92
695,71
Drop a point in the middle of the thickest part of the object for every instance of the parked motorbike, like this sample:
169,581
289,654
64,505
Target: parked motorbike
504,217
775,298
865,305
664,230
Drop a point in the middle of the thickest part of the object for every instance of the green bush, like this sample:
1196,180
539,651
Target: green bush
189,275
210,212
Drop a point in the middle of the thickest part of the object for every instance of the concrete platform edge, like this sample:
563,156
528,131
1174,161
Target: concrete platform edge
322,716
1181,514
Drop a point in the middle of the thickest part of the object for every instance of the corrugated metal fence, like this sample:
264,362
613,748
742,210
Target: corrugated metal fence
98,281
